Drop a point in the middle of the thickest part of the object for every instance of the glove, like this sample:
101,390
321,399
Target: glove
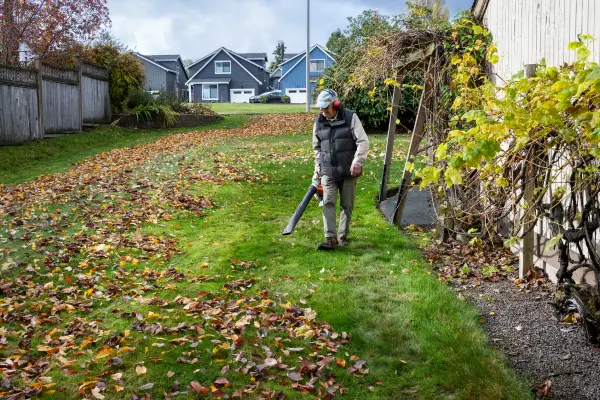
355,170
316,179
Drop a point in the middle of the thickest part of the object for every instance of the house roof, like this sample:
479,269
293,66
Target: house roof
254,56
213,80
274,73
303,53
164,57
147,59
302,56
231,55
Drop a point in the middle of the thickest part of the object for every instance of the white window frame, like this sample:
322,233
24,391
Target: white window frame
222,73
210,84
317,70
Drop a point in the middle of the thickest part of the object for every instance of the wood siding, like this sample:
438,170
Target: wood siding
61,107
50,100
528,30
156,77
96,100
296,76
19,114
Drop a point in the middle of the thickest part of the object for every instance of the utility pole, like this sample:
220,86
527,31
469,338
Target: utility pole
307,56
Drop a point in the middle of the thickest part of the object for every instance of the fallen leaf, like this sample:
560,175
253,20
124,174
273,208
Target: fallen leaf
140,370
96,393
147,386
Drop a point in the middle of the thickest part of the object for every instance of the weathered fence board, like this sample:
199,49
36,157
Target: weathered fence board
96,100
60,106
51,100
19,115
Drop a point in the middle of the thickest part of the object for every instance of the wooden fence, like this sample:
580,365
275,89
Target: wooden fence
44,100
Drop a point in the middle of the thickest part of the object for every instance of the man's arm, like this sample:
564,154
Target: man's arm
362,141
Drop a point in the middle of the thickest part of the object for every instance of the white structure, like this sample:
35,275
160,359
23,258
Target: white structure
528,30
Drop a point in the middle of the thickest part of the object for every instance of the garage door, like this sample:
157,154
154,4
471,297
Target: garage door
241,95
296,95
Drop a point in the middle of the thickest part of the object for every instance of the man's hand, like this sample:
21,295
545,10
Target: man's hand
355,170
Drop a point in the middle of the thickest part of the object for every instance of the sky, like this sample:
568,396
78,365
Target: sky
194,28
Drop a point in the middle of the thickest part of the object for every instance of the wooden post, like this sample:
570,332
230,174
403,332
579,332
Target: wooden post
389,147
526,254
415,140
38,67
79,73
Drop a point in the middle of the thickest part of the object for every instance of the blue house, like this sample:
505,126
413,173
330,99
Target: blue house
293,72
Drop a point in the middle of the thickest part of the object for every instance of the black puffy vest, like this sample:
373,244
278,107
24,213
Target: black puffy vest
338,146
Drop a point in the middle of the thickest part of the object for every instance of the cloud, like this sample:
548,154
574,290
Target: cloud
194,28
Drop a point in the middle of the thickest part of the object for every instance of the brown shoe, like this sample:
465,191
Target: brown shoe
330,243
343,241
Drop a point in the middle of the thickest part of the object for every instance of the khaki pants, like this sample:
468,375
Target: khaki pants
347,189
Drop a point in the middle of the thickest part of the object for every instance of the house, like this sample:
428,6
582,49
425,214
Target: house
276,74
164,72
526,31
226,76
293,72
257,58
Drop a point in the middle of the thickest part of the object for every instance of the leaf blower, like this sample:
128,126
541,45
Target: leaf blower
314,190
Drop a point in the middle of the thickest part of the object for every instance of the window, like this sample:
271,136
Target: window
210,92
317,65
222,67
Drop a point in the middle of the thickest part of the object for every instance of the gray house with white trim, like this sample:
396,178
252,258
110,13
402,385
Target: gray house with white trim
225,76
164,72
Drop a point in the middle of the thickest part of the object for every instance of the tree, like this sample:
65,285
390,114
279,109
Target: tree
126,73
337,42
48,26
279,54
187,61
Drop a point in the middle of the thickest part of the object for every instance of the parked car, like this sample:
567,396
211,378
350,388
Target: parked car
273,96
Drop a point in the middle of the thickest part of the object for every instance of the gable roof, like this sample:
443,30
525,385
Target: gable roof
254,56
242,55
145,58
303,54
159,58
231,55
272,74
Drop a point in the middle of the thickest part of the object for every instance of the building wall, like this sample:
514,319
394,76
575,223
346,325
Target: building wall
223,94
239,78
297,77
156,77
528,30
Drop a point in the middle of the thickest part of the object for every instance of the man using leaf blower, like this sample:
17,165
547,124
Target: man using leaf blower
341,146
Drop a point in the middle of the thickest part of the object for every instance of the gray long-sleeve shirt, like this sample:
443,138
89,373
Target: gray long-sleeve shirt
359,135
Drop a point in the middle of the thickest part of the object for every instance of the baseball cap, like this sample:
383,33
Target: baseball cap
325,97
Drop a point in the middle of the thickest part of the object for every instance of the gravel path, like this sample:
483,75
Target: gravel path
524,328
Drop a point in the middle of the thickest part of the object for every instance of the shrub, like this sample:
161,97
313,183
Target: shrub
139,98
263,99
146,111
199,109
285,99
170,99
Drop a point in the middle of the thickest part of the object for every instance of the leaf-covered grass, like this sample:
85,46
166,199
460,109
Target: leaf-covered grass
20,163
409,335
259,108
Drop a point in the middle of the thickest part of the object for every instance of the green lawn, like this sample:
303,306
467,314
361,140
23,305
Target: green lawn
19,163
237,294
259,108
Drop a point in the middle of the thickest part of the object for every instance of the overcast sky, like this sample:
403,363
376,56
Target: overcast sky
194,28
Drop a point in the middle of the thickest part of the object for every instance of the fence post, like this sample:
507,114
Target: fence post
80,77
40,96
526,254
389,147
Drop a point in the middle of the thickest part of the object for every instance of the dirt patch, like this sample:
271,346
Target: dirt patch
523,326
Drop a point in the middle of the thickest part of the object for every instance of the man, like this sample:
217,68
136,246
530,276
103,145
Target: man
341,147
